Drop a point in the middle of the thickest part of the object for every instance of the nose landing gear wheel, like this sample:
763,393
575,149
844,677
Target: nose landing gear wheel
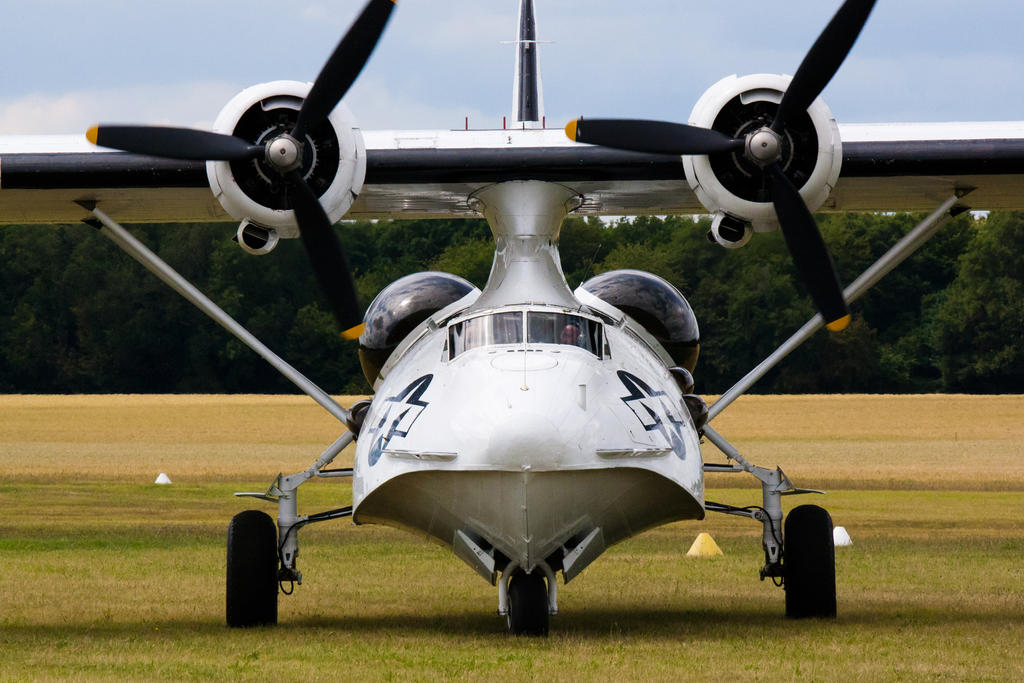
252,570
528,604
809,563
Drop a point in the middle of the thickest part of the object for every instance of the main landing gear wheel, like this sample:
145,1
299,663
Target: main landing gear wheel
809,563
528,604
252,570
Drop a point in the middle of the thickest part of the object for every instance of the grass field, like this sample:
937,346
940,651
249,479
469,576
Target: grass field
107,576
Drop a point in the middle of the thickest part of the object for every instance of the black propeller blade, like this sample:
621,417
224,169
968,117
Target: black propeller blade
336,77
344,64
326,256
806,246
174,143
823,59
651,136
322,246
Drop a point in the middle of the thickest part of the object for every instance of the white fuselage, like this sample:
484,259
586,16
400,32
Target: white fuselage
489,421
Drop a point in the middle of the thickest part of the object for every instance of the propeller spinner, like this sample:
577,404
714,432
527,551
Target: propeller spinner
764,148
284,154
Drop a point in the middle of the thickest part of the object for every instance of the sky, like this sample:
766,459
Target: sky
71,63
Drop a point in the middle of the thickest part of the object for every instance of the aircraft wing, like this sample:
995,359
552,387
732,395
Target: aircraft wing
430,174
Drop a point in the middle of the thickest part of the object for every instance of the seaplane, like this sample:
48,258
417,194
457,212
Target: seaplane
527,426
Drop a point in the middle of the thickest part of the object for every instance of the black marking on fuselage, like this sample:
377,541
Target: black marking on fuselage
403,408
654,411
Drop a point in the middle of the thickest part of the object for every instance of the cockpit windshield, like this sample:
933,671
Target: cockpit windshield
543,327
485,330
563,328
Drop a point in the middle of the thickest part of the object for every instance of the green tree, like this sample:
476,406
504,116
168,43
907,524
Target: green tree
470,259
979,324
77,315
581,243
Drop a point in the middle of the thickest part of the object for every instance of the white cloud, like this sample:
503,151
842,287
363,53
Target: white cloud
376,103
378,106
465,34
929,87
185,104
329,17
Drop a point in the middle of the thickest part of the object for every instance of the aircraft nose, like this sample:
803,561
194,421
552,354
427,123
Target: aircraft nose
540,413
531,440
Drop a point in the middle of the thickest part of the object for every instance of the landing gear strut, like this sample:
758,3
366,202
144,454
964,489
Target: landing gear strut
802,559
527,600
262,554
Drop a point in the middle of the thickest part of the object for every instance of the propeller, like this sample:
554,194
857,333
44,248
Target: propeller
284,154
326,256
806,246
764,148
177,143
660,137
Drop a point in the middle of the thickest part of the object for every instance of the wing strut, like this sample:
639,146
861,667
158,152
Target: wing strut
138,251
910,243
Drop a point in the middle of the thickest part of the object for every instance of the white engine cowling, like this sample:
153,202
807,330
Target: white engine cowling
251,191
731,184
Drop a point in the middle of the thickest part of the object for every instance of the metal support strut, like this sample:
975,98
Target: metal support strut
774,485
506,577
110,229
284,489
284,492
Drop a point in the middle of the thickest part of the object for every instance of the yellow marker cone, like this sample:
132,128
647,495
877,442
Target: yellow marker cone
704,546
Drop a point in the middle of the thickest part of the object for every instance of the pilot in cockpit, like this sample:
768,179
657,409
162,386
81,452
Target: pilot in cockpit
571,334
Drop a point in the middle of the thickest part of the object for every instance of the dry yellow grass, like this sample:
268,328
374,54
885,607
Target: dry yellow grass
875,417
134,437
952,442
856,441
170,419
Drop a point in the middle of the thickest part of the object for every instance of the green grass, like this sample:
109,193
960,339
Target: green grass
106,576
114,580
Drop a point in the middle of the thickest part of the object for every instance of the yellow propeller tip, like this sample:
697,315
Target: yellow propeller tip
840,324
570,129
353,332
92,134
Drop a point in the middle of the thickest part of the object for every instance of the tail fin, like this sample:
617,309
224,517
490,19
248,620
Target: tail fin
527,93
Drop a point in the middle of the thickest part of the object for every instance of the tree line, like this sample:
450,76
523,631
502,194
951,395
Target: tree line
79,316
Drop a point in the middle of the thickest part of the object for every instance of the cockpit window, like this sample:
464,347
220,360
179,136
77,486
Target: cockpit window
563,328
485,330
542,327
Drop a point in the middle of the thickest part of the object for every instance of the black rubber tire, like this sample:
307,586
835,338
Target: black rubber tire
252,570
809,563
528,604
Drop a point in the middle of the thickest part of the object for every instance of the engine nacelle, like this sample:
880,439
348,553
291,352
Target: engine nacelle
399,308
334,166
731,184
656,305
